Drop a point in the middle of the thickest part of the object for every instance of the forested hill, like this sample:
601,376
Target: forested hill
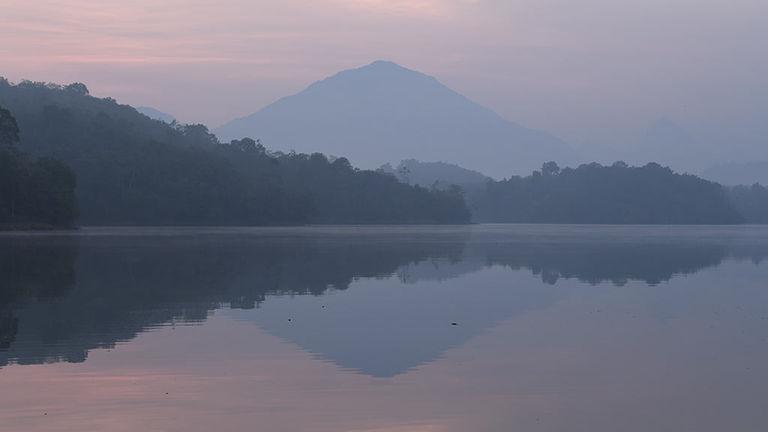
137,171
596,194
438,174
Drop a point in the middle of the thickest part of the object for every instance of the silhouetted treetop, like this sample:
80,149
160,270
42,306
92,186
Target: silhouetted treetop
9,129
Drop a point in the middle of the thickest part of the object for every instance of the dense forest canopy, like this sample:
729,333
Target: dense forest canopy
751,202
33,192
597,194
137,171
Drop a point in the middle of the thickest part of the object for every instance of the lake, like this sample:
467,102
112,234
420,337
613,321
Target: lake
385,329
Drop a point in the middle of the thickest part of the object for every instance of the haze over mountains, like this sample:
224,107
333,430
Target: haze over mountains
383,113
666,142
156,114
745,173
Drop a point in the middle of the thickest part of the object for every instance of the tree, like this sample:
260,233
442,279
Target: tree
751,201
550,169
9,129
245,144
49,192
33,191
77,88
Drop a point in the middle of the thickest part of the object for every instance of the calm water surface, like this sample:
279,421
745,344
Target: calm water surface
385,329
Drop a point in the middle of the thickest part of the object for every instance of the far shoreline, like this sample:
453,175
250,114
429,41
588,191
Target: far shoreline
33,227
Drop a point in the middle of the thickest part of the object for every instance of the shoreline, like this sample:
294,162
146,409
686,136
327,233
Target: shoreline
33,226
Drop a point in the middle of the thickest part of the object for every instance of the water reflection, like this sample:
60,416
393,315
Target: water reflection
383,329
32,270
128,283
64,295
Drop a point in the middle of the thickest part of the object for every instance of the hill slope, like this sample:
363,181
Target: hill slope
383,113
133,170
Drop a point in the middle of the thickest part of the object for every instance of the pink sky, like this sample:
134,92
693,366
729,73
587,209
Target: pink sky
569,67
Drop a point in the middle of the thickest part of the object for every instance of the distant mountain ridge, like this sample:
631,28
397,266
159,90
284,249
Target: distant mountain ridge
156,114
384,113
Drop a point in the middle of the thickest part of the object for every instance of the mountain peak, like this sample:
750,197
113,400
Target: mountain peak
380,71
384,64
384,112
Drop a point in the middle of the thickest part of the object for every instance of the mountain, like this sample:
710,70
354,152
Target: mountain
156,114
746,173
441,174
384,112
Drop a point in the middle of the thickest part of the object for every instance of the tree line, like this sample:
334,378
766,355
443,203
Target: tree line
597,194
751,202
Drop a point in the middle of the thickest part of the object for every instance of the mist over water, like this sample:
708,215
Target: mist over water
487,328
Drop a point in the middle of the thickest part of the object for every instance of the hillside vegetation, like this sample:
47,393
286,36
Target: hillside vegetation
132,170
34,192
596,194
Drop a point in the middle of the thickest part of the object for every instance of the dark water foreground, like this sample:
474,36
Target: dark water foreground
385,329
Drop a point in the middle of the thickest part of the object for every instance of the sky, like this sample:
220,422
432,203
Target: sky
591,71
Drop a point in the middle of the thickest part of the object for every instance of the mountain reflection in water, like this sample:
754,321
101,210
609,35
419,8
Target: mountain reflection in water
63,295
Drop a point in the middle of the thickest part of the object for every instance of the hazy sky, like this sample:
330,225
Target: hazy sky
587,70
